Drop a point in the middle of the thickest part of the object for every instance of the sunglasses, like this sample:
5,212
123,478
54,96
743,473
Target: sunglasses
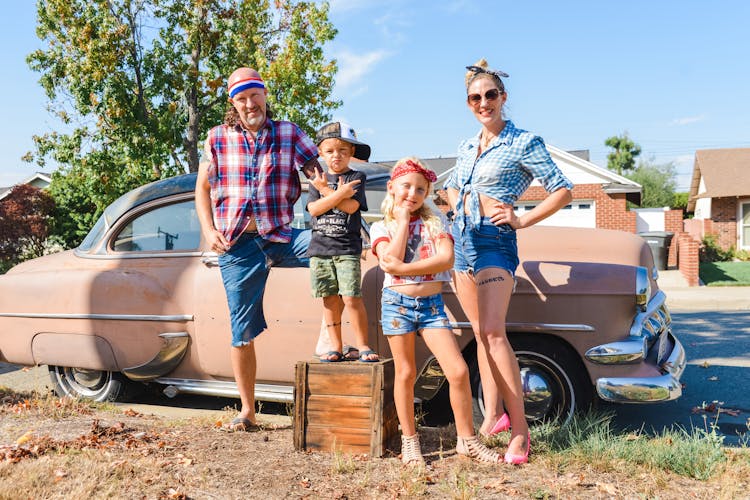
490,95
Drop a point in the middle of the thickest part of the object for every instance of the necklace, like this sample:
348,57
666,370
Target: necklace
485,141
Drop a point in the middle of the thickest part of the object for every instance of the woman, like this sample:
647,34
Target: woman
493,169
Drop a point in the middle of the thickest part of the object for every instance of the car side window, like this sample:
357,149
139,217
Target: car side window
166,228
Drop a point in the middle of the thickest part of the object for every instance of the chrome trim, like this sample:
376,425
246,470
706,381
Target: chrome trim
642,317
169,356
532,327
140,255
632,350
647,389
429,381
642,287
117,317
263,392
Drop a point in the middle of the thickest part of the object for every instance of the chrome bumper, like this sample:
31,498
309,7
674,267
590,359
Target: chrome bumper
647,389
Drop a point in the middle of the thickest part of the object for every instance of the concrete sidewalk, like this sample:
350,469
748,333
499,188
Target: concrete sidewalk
680,296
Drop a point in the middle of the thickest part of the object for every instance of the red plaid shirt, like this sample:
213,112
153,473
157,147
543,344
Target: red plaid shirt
258,178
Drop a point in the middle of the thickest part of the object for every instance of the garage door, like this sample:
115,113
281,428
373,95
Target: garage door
580,213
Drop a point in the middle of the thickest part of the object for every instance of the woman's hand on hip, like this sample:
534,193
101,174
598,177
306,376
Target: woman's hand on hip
504,214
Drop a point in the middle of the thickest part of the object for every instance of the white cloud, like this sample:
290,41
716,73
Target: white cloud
339,6
679,122
354,67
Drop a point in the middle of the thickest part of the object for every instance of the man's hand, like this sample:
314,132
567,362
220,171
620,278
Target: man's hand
216,241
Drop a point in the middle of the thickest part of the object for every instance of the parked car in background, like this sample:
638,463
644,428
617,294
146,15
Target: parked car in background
141,301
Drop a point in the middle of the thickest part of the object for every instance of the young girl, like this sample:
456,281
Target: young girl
416,254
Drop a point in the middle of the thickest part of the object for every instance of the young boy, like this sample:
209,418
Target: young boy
335,202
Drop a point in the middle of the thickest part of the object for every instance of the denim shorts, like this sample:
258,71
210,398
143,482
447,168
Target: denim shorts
336,275
483,246
402,314
244,271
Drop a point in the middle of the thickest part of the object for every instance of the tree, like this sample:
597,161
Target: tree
625,152
658,182
25,214
139,82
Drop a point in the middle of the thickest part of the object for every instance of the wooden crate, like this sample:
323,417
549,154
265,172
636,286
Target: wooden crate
346,406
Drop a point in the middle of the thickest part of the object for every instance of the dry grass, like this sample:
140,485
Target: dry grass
63,449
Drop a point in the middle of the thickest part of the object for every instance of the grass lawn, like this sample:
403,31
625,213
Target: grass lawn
725,273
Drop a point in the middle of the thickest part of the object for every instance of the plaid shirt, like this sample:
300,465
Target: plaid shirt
256,178
503,171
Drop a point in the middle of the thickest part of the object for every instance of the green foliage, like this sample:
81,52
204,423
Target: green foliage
138,83
591,439
625,152
25,215
680,200
711,251
658,183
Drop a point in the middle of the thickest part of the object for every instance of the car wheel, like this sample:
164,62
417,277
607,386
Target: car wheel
96,385
555,384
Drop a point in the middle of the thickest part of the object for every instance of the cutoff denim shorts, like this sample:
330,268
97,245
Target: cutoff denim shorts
244,270
483,246
402,314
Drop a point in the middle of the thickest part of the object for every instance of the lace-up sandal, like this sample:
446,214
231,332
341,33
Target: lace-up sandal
471,447
411,453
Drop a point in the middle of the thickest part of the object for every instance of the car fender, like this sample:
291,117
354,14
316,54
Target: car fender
73,349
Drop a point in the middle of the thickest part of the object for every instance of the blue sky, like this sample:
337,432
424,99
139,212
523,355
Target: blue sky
674,75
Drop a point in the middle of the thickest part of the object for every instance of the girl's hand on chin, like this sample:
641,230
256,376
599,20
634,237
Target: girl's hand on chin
401,214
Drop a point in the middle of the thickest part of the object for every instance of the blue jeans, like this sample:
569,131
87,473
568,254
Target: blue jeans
402,314
483,246
244,271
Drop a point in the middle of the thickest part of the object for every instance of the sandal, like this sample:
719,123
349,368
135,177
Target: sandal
366,356
411,453
241,424
471,447
332,357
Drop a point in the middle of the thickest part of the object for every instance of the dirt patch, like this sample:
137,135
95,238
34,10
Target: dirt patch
74,451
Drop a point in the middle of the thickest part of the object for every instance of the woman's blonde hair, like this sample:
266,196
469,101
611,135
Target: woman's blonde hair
433,223
492,75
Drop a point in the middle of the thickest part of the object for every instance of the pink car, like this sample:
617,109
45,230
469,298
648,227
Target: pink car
141,301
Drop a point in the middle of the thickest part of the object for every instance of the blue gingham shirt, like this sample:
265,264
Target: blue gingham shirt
503,171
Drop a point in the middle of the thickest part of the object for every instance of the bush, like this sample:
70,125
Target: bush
710,250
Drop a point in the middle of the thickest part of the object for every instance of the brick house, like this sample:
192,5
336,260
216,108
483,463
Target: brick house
720,197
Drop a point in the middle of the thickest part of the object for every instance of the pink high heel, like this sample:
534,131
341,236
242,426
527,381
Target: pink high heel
502,425
511,458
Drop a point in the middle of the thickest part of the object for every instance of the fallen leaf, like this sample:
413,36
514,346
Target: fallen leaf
60,475
705,364
25,438
131,413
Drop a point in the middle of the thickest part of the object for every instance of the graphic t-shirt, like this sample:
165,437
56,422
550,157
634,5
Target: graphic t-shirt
337,232
420,244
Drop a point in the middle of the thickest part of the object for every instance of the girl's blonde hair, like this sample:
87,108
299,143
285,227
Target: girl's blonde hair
432,222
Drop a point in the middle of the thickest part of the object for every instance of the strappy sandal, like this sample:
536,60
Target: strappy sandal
472,447
411,453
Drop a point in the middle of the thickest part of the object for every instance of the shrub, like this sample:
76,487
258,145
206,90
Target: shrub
710,250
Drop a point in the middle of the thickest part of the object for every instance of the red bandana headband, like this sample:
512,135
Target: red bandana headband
410,166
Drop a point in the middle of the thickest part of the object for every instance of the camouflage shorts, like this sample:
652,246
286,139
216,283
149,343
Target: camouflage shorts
336,275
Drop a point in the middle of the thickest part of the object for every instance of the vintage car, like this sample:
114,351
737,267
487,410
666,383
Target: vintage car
141,301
